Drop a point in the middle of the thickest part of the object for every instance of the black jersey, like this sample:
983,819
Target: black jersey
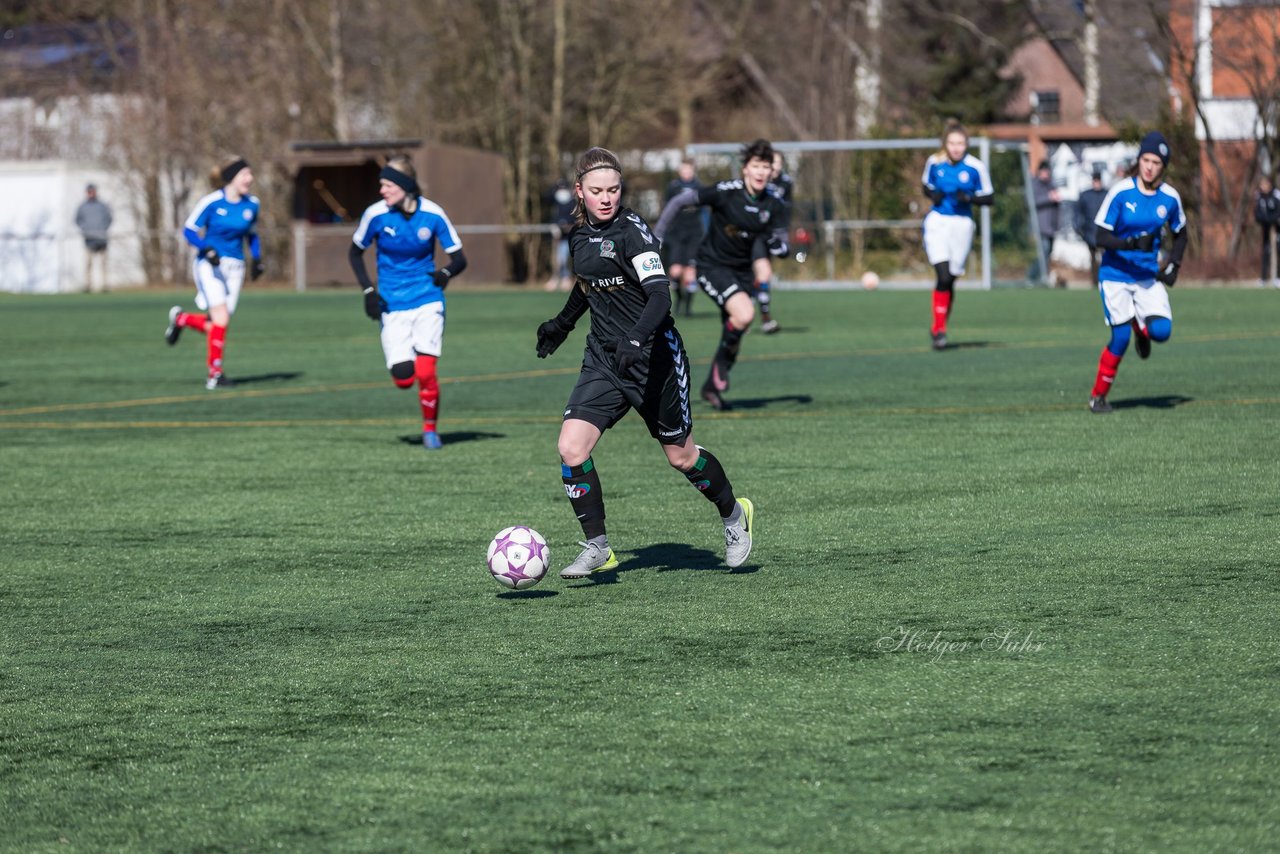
689,219
737,220
784,187
616,260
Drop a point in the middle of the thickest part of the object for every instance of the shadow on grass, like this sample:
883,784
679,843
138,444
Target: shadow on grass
762,402
786,330
528,594
457,437
970,345
1164,401
670,557
279,376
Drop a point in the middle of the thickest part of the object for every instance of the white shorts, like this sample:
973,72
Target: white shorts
948,238
218,285
415,330
1123,301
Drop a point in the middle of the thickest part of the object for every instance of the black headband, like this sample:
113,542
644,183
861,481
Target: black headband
401,180
231,170
601,166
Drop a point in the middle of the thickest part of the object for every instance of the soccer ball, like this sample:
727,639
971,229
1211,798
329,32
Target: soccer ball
870,280
518,557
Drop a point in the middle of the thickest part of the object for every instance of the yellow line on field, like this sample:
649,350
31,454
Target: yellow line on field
551,372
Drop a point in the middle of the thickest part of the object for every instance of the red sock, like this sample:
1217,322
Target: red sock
1108,364
197,322
424,368
941,311
217,341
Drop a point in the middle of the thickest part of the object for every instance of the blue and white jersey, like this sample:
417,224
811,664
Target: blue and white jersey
224,225
406,251
1129,212
968,176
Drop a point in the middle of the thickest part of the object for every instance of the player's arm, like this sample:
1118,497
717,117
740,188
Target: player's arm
457,263
192,230
682,199
552,333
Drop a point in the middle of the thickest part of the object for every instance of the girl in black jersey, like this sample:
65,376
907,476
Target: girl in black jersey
634,359
747,224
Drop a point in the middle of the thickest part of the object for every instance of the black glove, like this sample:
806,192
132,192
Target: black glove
211,255
1144,242
937,196
1169,275
551,335
627,353
256,270
441,278
963,198
372,304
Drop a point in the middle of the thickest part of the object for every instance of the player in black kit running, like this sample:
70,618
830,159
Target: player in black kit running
634,360
745,220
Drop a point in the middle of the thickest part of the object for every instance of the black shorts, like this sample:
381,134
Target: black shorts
681,246
658,390
720,283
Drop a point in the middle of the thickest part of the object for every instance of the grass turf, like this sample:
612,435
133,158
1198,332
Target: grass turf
977,617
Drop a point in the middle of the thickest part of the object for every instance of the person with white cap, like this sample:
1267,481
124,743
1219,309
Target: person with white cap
1133,279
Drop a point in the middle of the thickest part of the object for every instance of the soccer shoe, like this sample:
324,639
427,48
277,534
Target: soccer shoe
591,559
1098,405
769,327
737,537
1141,342
939,340
711,396
173,330
219,381
431,440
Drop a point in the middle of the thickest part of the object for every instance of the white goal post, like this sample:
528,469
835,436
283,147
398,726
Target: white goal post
829,227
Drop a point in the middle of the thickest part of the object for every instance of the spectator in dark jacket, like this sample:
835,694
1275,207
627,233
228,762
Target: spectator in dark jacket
93,218
1046,200
1087,207
1266,213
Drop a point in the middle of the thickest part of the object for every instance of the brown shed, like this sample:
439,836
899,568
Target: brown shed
335,181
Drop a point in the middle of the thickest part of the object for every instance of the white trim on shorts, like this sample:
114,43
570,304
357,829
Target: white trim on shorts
412,331
1123,301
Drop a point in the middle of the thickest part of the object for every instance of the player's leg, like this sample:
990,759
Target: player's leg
214,293
595,404
937,249
1118,310
762,268
427,338
737,312
702,469
1153,320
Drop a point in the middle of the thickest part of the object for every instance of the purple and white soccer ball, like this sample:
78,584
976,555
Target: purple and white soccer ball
518,557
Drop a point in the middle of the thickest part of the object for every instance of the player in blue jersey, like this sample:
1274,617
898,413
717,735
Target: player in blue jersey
219,226
634,359
1132,278
408,299
955,181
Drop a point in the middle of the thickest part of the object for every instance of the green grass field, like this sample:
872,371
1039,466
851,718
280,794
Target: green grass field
977,617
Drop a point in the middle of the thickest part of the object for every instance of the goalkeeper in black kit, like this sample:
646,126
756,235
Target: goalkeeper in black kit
634,359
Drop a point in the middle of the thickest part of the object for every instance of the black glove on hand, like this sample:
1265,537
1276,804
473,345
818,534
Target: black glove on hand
372,304
1144,242
937,196
256,270
1169,275
441,278
211,255
551,335
963,198
627,353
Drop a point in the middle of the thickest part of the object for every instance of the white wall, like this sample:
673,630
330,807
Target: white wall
41,250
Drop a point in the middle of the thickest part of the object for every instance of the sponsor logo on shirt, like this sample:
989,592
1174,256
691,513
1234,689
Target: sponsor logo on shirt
220,211
389,230
1131,206
610,284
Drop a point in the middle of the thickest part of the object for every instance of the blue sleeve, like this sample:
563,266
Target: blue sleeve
193,237
255,246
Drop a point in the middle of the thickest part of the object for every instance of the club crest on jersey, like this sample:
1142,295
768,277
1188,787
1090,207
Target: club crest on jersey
424,233
964,177
1162,211
764,216
607,249
248,215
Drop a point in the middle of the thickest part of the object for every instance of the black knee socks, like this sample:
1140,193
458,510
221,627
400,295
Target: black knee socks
708,475
582,485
